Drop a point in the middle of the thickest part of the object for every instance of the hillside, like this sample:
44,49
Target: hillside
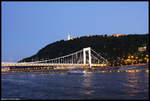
114,49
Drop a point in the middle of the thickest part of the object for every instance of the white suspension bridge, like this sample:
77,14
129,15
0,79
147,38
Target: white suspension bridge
86,57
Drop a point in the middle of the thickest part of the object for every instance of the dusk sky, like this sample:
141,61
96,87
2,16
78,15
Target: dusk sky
29,26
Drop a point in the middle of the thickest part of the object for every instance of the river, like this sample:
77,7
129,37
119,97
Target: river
93,85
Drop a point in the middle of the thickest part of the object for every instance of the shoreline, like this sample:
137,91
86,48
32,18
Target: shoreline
135,65
94,69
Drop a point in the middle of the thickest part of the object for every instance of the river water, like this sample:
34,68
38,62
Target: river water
93,85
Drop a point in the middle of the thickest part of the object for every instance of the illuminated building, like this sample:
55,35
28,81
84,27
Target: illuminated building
141,49
117,35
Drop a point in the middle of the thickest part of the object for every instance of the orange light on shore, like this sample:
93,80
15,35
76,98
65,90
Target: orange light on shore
136,57
132,71
137,70
147,55
147,70
129,57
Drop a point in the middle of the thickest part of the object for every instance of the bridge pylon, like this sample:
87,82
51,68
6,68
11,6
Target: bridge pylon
88,49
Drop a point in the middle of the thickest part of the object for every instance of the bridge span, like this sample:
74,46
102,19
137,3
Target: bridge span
85,58
49,64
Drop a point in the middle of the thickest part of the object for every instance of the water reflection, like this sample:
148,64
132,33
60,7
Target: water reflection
87,83
132,85
87,79
114,85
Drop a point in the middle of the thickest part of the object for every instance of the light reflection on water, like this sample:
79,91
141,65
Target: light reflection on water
108,85
134,84
87,80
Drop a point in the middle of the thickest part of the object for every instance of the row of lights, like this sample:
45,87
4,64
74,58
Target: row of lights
131,71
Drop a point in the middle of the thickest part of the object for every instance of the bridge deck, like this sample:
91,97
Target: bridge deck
48,64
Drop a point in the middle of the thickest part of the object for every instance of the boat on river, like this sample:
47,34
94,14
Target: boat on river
77,71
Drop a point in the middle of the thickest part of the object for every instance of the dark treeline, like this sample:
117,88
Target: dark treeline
110,47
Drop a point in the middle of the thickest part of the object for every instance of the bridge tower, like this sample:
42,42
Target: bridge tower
84,55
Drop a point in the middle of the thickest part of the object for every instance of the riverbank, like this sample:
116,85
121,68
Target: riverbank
95,69
134,65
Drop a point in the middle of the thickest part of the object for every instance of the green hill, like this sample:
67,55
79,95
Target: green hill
112,48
